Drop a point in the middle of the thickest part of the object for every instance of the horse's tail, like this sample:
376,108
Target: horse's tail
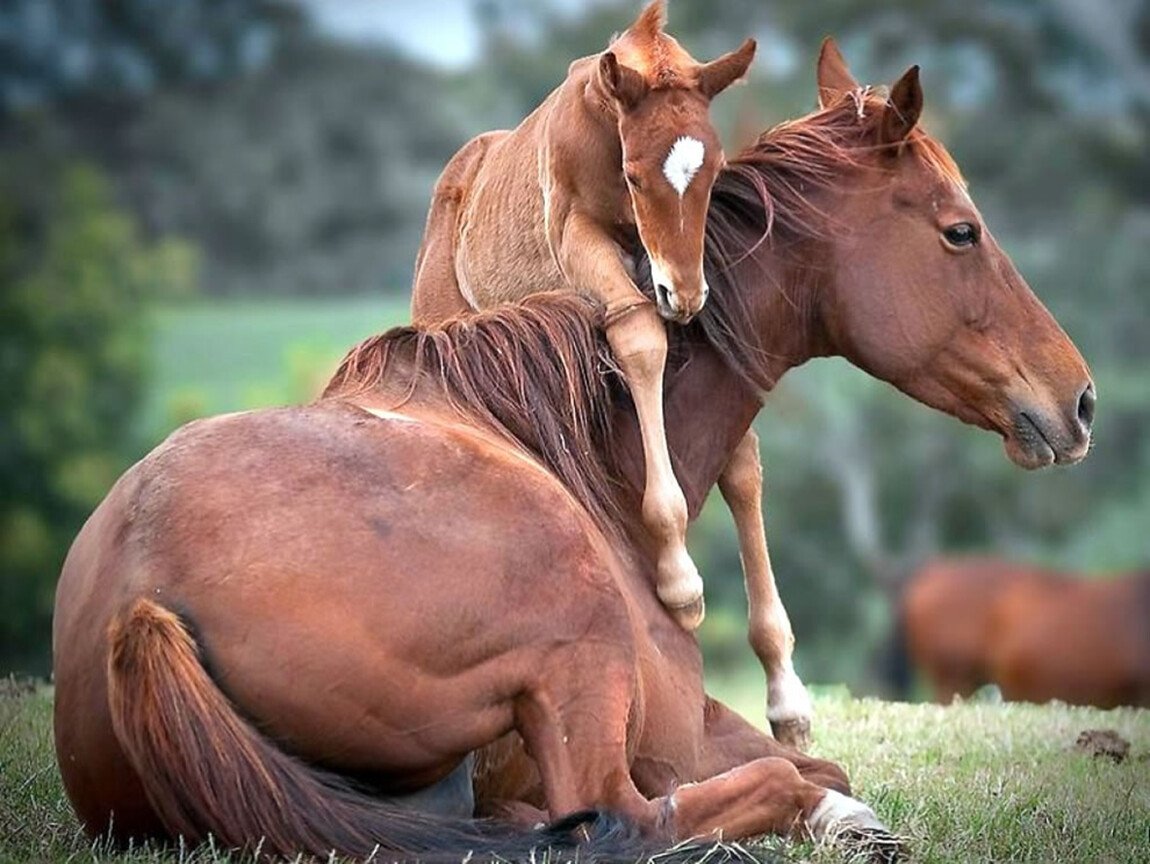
207,772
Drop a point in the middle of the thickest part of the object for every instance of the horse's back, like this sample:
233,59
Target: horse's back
948,614
380,563
1082,641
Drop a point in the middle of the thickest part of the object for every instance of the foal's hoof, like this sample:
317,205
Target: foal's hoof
680,589
794,733
690,616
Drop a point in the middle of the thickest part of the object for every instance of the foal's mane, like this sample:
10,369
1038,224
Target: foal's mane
539,374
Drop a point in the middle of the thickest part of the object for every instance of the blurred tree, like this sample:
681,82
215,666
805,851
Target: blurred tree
62,51
74,279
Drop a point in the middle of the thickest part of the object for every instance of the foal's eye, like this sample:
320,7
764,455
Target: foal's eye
961,234
633,181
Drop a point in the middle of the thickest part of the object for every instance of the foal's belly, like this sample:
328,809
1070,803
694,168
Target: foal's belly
502,251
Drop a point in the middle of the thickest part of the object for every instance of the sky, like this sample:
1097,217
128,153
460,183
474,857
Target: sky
441,31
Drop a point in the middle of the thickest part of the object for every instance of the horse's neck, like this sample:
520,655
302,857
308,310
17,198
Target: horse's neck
708,406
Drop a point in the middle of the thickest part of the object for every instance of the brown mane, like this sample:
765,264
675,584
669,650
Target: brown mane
538,373
765,194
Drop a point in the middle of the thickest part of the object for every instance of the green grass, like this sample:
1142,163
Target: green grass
214,356
966,783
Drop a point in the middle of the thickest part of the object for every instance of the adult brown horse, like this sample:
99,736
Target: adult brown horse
621,152
440,552
1038,634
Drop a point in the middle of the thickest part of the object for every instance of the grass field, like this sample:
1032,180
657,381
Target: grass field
211,357
966,783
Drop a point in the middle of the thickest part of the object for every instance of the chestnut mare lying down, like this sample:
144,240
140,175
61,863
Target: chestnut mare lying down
1036,633
437,558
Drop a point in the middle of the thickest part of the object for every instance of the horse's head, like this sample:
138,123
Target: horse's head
671,153
922,295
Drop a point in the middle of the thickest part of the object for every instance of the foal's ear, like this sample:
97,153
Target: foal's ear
622,82
834,77
902,108
722,72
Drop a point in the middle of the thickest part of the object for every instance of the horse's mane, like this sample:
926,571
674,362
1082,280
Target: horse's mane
538,373
764,196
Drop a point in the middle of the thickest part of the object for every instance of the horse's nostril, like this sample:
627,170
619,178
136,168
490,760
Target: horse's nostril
1086,407
663,296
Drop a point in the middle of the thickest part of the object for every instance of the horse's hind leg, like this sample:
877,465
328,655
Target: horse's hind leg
769,627
435,293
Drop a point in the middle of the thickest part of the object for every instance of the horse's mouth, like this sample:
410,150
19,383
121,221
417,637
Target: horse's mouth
1031,444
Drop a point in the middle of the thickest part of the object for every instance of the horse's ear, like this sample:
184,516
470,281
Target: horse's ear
722,72
834,77
902,108
651,21
622,82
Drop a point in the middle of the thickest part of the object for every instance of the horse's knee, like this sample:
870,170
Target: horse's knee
742,479
639,342
665,511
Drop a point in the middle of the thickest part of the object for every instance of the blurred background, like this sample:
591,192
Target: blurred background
204,203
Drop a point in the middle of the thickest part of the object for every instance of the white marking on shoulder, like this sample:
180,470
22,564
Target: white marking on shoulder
388,415
683,162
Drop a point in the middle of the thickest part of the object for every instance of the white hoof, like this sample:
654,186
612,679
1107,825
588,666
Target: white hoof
680,590
789,709
848,823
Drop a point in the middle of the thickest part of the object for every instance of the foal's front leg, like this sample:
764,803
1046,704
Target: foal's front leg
638,340
769,628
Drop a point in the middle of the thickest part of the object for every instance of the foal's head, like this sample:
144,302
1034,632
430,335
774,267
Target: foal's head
671,153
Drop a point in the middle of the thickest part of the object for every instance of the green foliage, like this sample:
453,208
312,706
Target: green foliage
74,281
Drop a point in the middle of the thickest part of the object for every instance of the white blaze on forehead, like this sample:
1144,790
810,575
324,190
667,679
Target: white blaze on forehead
683,162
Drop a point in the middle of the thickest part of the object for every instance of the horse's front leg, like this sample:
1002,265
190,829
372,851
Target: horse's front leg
769,628
638,340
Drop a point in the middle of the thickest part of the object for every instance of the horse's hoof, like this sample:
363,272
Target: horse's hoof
689,616
854,828
874,845
794,733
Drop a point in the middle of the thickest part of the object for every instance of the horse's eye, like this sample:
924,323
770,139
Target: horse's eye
633,181
961,234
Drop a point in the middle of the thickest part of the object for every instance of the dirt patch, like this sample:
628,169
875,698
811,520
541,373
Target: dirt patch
1103,743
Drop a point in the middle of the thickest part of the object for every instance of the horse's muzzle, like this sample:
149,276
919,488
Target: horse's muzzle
1039,438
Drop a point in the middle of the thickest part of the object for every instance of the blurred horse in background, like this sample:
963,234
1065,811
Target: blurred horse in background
280,622
1038,634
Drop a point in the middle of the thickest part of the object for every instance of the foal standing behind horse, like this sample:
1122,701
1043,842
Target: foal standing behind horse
623,146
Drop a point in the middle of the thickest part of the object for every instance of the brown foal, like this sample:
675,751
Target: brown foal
621,152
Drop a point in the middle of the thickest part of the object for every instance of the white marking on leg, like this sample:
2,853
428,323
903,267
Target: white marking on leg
837,812
787,698
683,162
